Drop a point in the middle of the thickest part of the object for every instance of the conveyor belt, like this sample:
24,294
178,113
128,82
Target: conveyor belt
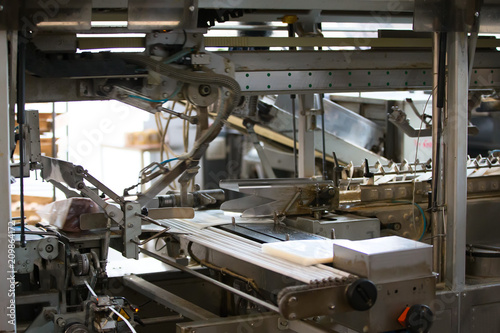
250,251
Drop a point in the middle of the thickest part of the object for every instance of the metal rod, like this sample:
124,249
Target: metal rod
191,120
294,126
323,155
21,69
439,59
208,279
54,150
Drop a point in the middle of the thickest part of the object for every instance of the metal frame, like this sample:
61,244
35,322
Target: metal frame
455,160
5,199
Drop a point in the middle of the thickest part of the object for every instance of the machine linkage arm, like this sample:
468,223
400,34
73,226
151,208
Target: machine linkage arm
61,172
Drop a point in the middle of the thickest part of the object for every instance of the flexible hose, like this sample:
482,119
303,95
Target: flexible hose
225,108
186,76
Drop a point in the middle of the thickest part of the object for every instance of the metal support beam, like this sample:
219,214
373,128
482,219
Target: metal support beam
5,201
306,137
437,174
163,297
455,160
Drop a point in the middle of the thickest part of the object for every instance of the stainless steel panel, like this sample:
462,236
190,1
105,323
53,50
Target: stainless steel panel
384,259
440,15
56,15
147,15
350,126
479,309
392,299
338,5
346,226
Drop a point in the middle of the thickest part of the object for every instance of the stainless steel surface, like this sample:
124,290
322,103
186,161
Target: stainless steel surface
392,299
385,259
282,123
306,137
445,16
482,263
284,196
5,201
351,126
258,322
346,226
364,5
165,298
131,230
58,16
455,159
147,15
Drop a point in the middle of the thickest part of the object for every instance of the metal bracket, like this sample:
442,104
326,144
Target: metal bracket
131,230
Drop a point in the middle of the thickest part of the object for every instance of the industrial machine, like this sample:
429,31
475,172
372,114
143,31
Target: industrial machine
346,235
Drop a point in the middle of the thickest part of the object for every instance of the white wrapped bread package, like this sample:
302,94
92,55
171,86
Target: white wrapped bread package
302,252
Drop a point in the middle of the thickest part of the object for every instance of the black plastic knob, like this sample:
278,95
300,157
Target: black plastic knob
361,294
419,319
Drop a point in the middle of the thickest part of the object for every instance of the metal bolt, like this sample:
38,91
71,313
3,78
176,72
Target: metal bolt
61,322
191,8
476,14
130,207
292,316
227,70
331,307
49,248
292,299
130,225
27,261
112,214
233,220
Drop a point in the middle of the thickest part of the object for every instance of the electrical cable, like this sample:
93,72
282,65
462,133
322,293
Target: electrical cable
111,308
226,107
124,319
416,151
424,218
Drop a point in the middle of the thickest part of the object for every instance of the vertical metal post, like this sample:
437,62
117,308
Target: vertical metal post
5,200
294,128
438,64
455,158
306,138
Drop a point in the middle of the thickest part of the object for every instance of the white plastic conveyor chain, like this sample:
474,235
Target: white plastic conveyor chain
250,251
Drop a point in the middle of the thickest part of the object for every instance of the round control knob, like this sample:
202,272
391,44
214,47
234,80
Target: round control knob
361,294
419,319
